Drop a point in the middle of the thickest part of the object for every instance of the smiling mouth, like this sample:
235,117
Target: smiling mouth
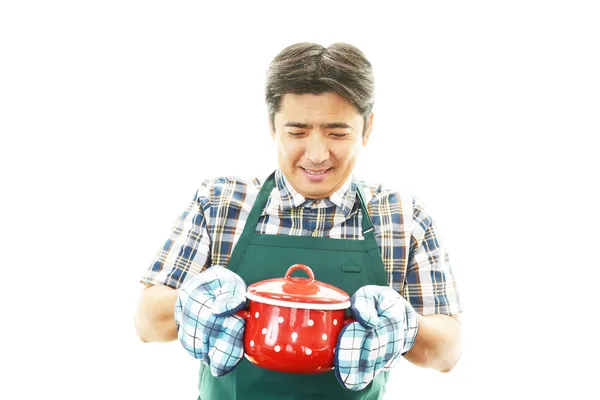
316,171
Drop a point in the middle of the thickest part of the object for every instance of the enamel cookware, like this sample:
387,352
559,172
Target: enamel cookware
293,323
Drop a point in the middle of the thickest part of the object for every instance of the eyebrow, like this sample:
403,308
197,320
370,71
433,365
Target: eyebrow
331,125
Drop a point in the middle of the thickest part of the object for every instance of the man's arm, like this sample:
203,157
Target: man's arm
430,286
154,317
438,344
184,254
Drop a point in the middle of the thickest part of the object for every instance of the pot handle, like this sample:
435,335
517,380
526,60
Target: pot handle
244,314
305,268
348,320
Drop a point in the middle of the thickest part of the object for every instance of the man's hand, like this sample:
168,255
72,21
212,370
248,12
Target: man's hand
207,326
386,328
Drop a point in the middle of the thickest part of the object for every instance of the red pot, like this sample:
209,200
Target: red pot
292,324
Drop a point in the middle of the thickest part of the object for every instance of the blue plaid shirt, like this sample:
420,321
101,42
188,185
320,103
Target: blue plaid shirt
417,265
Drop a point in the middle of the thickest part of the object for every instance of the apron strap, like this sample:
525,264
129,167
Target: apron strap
251,222
259,204
367,224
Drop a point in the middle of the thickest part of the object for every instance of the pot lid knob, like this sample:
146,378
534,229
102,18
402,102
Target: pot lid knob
299,292
303,286
305,268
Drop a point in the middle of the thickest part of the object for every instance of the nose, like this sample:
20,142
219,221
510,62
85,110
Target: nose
316,149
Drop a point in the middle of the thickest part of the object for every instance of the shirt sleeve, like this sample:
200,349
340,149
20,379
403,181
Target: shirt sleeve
187,250
430,284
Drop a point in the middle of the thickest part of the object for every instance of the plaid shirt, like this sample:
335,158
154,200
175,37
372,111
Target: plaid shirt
205,234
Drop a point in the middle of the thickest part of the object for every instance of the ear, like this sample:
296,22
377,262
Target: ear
271,127
367,134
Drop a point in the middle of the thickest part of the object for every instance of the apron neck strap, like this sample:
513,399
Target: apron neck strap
260,203
269,184
367,225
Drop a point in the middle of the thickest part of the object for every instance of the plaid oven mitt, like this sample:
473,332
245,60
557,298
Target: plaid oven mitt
386,328
206,325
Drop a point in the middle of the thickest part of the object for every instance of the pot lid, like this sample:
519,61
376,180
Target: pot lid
306,293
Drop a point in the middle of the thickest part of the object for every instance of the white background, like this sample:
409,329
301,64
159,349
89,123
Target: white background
113,112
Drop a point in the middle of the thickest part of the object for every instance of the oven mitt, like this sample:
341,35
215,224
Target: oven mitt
386,328
206,325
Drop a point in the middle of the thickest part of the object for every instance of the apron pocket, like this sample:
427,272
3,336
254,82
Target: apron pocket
351,268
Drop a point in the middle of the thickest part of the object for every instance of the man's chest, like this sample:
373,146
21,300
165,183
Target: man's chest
226,228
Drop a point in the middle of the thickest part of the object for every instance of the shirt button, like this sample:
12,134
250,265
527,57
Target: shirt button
315,234
317,201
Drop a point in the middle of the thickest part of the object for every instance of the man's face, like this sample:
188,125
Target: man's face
318,138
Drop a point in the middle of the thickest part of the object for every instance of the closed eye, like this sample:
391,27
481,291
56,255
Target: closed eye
295,134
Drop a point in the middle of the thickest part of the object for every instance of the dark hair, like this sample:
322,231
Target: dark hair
311,68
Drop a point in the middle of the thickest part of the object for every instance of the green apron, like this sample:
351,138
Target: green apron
347,264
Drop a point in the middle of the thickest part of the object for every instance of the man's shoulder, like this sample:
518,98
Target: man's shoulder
377,192
235,187
383,198
234,182
386,199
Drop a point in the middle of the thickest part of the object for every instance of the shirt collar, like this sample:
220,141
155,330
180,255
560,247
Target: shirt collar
344,197
288,196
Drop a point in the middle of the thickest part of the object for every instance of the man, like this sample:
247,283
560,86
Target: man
404,299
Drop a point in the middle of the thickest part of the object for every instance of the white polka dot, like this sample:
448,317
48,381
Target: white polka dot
334,321
294,336
256,315
264,331
311,322
308,351
277,348
280,320
324,336
252,343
